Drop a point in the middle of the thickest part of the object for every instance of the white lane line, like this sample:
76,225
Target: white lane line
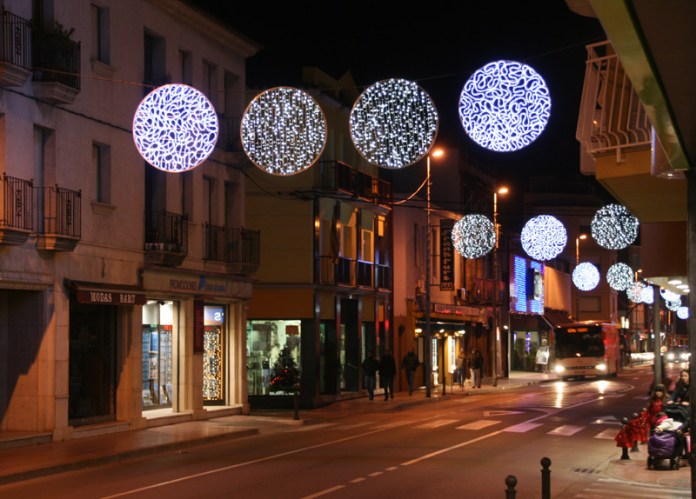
354,425
522,427
565,430
478,425
395,424
437,423
608,434
311,427
392,468
375,473
325,491
448,449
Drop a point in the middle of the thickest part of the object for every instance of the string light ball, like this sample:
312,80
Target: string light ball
635,292
613,227
283,131
544,237
668,295
175,128
394,123
646,295
473,236
673,305
620,276
585,276
504,106
683,312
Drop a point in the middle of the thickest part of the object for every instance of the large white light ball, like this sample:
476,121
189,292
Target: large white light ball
504,106
175,128
585,276
683,312
620,276
473,236
393,123
673,305
544,237
613,227
283,131
635,292
668,295
647,295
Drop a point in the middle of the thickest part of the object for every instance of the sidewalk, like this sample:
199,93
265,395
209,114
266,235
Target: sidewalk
41,459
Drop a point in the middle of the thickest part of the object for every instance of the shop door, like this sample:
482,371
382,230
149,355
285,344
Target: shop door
214,355
92,368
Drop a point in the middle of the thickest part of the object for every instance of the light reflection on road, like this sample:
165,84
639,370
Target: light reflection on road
561,394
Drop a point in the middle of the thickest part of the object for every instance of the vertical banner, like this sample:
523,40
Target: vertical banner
446,255
198,326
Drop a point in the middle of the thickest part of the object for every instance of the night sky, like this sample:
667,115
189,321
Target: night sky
437,44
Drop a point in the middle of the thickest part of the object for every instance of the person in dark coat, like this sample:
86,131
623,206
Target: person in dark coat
370,366
410,363
387,370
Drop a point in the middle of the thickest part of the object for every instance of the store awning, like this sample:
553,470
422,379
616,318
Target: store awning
557,317
105,294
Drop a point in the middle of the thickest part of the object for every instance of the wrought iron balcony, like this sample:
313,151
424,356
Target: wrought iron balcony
59,221
166,238
56,66
15,50
341,271
237,247
337,176
16,210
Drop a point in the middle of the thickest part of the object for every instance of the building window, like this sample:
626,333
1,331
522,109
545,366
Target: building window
186,67
100,34
101,163
210,82
271,346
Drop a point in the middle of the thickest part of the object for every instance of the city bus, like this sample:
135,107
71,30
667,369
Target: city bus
587,348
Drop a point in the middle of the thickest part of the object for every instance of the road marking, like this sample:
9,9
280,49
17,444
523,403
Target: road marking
374,474
395,424
522,427
438,423
493,414
355,425
565,430
608,434
325,491
606,420
358,480
311,427
478,425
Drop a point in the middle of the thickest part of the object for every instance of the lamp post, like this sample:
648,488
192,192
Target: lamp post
496,283
427,360
577,262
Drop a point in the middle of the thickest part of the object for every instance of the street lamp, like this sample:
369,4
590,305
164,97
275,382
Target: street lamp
581,237
436,153
496,283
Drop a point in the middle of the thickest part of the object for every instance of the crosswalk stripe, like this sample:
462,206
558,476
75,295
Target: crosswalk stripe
565,430
394,424
522,427
311,427
478,425
438,423
608,434
355,425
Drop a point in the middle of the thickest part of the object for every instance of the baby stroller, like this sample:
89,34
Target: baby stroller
670,445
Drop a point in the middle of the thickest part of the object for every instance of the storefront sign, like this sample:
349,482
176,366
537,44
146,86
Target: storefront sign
198,285
96,297
446,255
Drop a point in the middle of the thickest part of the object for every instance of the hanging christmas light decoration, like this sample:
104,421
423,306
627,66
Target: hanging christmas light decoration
668,295
673,305
635,292
504,106
646,295
473,236
283,131
393,123
613,227
585,276
620,276
683,312
543,237
175,128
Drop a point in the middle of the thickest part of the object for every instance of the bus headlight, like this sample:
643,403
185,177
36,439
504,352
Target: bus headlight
559,369
601,367
670,356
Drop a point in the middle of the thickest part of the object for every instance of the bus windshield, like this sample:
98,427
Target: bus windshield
585,341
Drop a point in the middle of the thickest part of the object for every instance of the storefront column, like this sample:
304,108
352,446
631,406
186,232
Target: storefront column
129,348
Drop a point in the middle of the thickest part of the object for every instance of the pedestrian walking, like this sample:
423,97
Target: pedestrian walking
476,368
387,370
409,364
370,366
460,366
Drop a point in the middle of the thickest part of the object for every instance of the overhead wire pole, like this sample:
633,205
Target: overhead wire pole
496,284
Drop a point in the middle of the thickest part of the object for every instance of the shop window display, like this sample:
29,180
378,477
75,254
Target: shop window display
213,354
157,358
265,342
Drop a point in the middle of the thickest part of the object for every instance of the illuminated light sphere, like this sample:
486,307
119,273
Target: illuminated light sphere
175,128
543,237
668,295
647,296
613,227
393,123
673,305
585,276
504,106
283,131
635,292
473,236
683,312
620,276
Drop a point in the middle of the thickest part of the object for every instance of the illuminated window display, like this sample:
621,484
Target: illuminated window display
213,354
265,341
158,388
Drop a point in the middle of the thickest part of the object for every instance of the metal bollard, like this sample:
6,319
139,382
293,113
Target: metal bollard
624,450
635,442
545,478
510,481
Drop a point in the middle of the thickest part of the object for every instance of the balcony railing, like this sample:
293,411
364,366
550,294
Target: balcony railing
16,203
16,40
55,59
166,237
59,218
343,271
612,116
238,247
337,176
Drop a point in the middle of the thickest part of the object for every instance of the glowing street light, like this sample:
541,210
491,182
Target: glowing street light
496,320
